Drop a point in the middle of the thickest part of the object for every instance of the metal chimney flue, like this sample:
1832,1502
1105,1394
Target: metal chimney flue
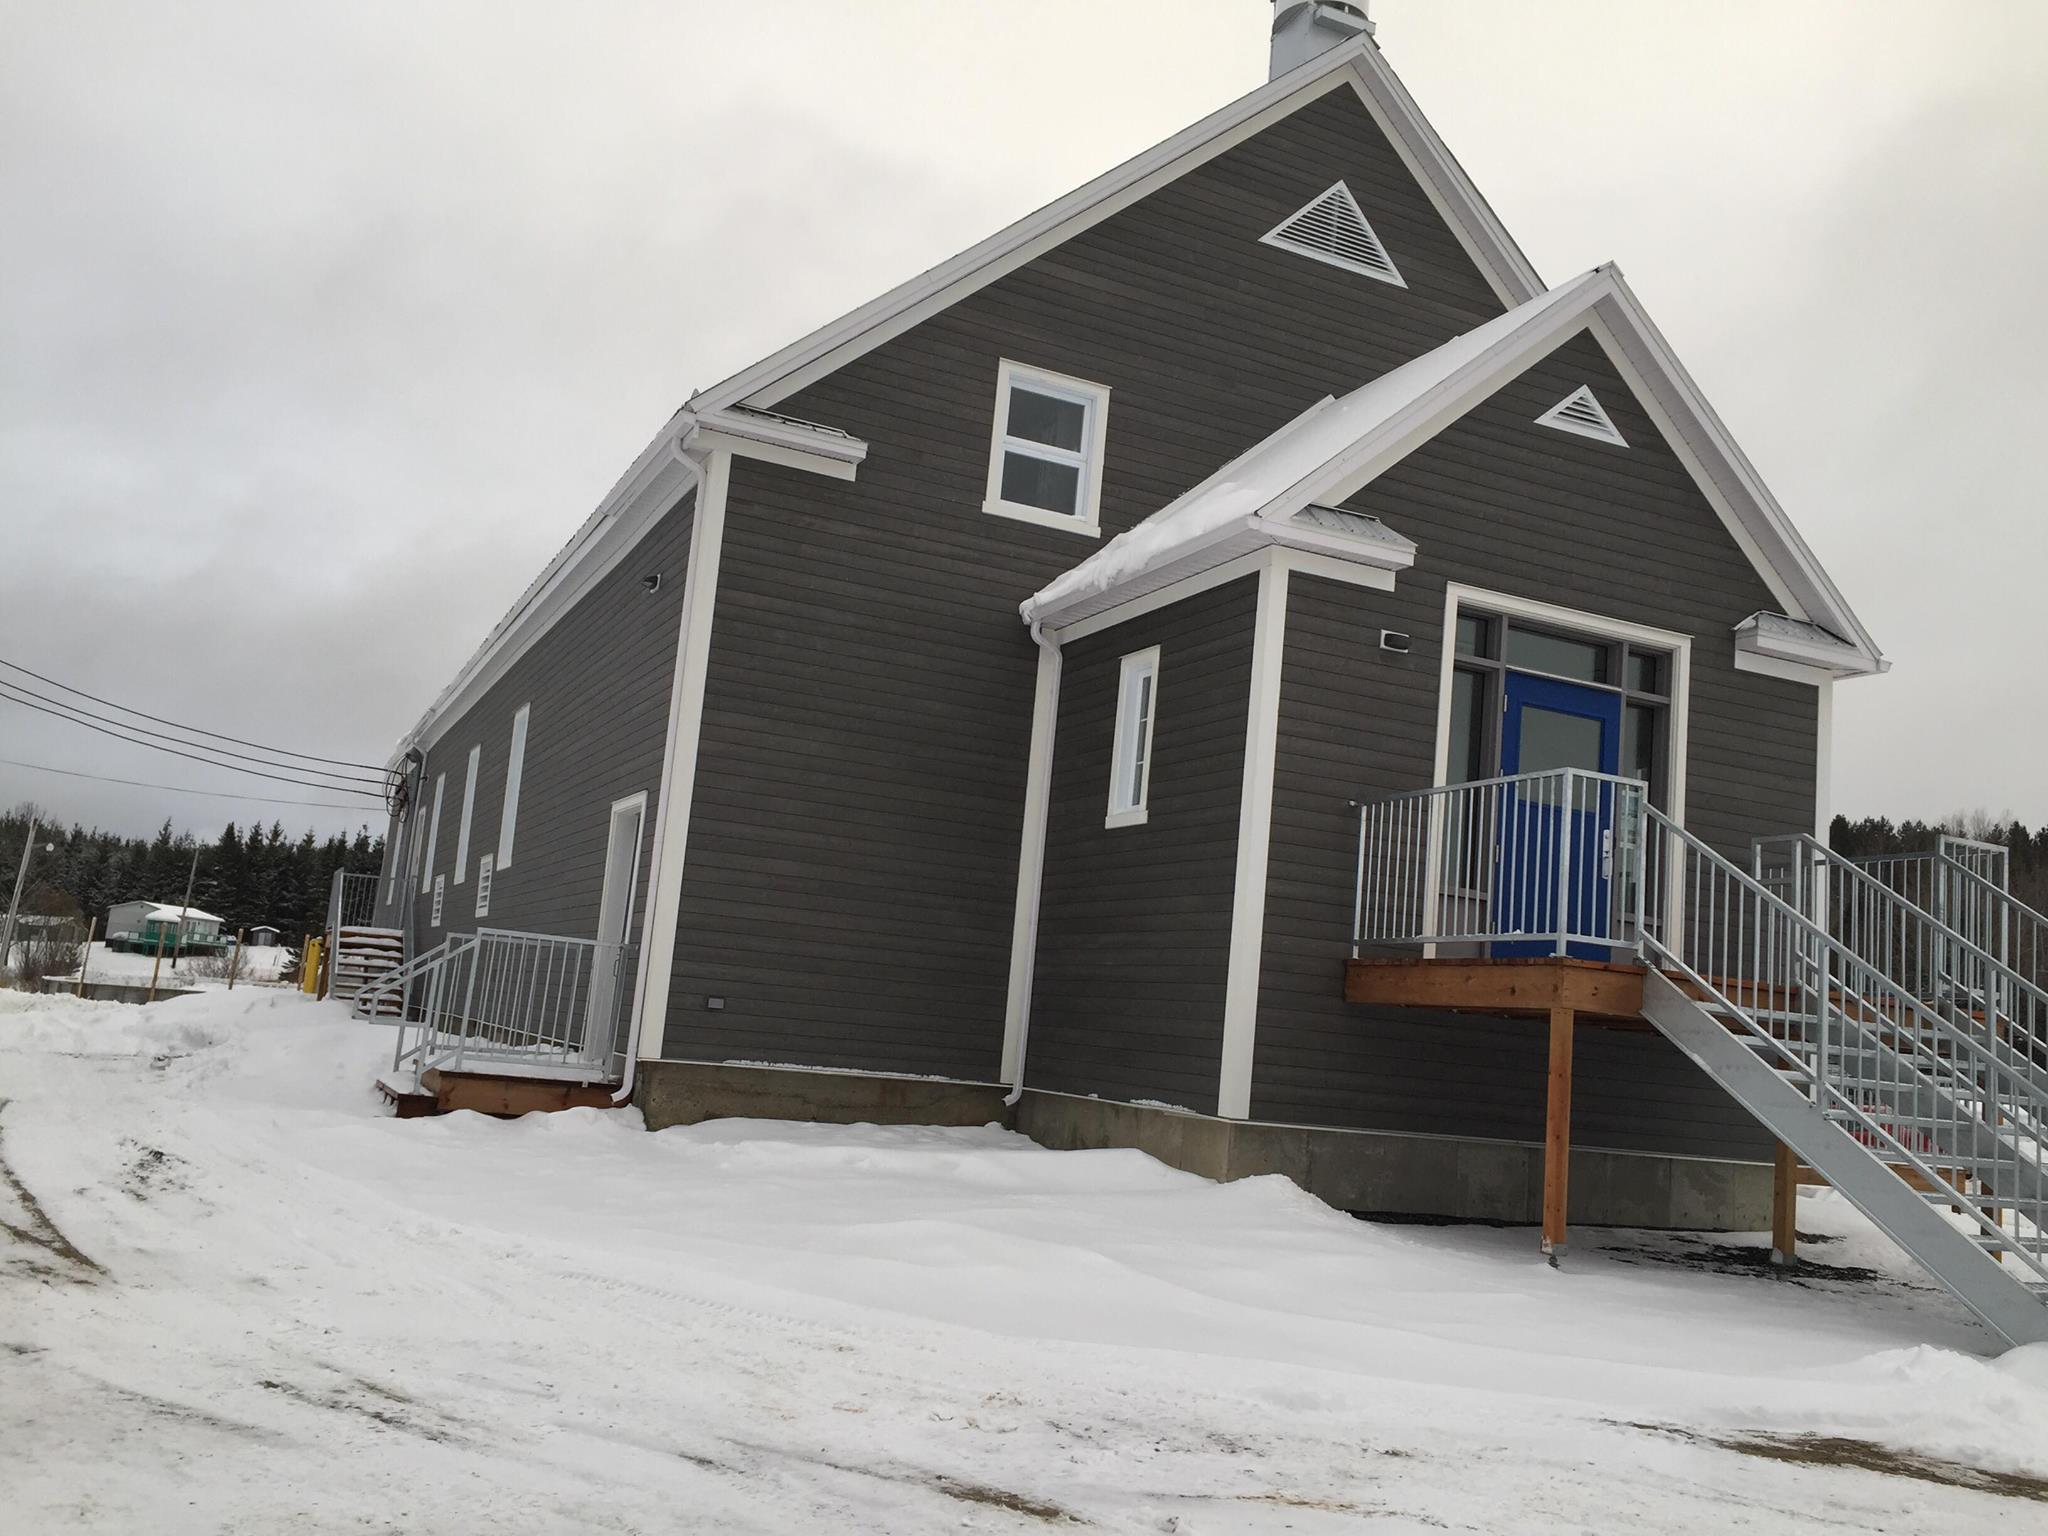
1302,29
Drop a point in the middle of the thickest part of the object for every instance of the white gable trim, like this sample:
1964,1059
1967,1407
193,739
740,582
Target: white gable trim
1357,64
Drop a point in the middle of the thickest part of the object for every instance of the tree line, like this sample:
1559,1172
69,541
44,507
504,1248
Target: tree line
245,876
2026,852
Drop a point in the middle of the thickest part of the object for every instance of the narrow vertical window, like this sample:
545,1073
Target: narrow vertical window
433,834
483,885
1130,768
440,894
515,766
468,807
1045,460
394,857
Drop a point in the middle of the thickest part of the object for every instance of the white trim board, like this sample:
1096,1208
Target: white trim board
679,759
1254,841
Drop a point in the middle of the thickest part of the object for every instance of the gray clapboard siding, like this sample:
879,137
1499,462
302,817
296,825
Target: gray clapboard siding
1134,922
1499,502
852,861
599,684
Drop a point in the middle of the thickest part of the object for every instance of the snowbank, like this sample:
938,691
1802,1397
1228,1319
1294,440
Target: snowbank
237,1296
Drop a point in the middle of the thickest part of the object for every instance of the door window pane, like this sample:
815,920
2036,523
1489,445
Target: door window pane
1582,660
1642,727
1472,636
1553,739
1645,673
1047,419
1467,759
1033,482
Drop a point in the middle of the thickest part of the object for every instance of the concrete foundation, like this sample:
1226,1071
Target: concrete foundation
116,991
1372,1172
1381,1173
685,1092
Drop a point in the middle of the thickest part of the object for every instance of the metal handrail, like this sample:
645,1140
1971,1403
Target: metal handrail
535,1001
1545,859
1917,950
1903,1079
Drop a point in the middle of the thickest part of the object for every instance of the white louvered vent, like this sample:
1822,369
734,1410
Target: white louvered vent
1334,229
1579,412
484,868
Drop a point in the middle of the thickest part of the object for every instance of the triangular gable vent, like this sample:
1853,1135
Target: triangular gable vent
1333,228
1579,412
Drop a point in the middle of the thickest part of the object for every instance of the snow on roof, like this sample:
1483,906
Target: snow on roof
1789,639
1273,476
160,913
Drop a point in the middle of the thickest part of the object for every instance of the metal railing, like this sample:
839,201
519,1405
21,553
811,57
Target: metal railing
1549,862
1886,1021
1964,884
1924,1092
537,1003
1939,962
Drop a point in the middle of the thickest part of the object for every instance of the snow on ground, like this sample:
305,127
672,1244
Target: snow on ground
195,971
234,1296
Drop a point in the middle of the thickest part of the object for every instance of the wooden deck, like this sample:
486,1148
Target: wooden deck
1562,990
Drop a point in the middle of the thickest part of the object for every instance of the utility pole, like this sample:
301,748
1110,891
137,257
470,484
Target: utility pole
28,849
178,949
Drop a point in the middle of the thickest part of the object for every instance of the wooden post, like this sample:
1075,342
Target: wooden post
1557,1133
1785,1206
235,964
159,964
85,955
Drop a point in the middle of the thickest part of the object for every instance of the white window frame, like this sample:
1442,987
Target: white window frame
515,772
484,867
1086,518
468,809
433,835
1130,757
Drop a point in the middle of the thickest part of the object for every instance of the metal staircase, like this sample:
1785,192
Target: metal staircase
1913,1107
1903,1057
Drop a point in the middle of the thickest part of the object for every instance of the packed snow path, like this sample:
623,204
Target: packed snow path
234,1296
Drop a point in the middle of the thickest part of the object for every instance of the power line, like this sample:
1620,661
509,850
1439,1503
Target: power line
344,778
188,729
178,789
190,756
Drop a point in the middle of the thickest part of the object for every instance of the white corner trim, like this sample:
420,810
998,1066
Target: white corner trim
433,834
1254,839
1093,399
679,757
1824,760
468,810
1045,709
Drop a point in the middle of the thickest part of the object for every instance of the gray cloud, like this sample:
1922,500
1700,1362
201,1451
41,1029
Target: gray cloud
321,327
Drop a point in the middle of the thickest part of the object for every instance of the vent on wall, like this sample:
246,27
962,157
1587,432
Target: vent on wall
1579,412
1333,228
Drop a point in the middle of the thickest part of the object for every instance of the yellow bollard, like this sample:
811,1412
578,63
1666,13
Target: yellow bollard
309,966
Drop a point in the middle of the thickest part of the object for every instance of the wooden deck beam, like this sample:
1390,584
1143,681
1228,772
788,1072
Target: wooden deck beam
1597,991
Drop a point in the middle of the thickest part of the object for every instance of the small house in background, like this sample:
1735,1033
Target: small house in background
139,926
262,936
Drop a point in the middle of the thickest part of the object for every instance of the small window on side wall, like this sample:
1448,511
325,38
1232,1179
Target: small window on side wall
1130,767
1045,460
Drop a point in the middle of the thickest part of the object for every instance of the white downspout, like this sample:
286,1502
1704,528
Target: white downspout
644,979
1031,857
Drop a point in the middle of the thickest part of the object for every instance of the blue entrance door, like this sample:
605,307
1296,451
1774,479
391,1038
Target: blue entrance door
1548,723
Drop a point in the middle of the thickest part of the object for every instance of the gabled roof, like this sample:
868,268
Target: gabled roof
1336,447
1357,64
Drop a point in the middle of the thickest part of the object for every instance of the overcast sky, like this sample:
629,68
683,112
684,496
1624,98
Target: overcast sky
322,326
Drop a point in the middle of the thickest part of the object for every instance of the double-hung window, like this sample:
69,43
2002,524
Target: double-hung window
1130,766
1045,462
